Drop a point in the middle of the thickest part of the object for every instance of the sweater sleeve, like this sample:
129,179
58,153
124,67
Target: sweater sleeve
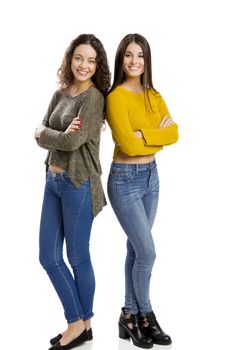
161,136
92,116
54,101
122,132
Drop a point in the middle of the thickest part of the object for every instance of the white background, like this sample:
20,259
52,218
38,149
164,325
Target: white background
192,288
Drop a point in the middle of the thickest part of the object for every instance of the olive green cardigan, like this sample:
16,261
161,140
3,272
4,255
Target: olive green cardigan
76,152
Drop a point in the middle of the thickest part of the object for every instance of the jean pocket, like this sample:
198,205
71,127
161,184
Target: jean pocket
121,177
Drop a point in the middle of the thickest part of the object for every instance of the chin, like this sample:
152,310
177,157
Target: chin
83,78
132,75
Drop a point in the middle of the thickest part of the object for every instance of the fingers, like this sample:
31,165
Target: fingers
76,122
75,125
166,121
73,128
79,117
138,134
163,121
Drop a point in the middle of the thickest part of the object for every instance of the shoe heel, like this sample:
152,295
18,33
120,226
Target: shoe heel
122,333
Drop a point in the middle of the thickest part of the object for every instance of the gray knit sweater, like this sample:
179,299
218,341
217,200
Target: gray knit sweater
76,152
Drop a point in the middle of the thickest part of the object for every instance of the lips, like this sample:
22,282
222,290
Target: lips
133,68
81,72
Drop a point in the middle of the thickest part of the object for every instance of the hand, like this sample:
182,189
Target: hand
38,131
165,122
138,134
75,125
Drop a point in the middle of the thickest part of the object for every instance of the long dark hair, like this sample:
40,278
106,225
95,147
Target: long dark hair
119,75
101,78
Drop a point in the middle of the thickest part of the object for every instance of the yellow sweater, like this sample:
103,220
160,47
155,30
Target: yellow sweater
128,111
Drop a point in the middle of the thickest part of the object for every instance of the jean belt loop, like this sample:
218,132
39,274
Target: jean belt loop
136,168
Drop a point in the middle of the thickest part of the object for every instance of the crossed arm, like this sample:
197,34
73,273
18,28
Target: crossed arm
88,123
141,141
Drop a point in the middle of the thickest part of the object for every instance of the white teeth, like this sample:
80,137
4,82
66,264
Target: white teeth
82,72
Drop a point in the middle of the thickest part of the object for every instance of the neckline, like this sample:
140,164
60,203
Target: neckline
92,86
131,91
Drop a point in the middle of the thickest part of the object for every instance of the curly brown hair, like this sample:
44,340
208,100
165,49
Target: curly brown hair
102,76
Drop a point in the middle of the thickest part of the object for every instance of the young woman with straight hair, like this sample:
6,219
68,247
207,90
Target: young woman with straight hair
141,125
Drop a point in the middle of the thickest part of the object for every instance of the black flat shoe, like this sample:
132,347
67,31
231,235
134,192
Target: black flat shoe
137,336
76,342
56,339
152,329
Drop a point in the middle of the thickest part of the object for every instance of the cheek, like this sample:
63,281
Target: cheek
72,70
93,70
73,67
125,67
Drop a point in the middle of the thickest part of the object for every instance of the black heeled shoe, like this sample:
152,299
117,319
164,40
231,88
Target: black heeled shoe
76,342
137,336
56,339
152,329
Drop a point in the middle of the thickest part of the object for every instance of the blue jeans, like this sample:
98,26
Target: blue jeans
133,191
67,215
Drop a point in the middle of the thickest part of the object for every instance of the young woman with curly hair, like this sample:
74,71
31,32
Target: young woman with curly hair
73,192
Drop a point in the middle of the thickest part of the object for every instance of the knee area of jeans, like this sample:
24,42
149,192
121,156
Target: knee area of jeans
48,263
147,260
131,255
79,262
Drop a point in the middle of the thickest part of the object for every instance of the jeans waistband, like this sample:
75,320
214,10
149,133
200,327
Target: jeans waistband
57,174
134,167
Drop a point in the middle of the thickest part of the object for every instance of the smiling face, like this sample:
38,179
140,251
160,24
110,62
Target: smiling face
83,63
133,64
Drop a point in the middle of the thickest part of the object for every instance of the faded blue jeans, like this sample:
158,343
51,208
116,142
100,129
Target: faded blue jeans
133,191
67,215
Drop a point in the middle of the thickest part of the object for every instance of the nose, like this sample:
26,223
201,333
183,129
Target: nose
134,59
83,64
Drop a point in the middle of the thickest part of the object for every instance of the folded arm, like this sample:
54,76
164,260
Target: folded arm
92,113
167,131
122,132
160,137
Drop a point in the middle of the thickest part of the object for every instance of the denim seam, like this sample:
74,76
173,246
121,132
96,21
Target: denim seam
62,274
125,222
78,215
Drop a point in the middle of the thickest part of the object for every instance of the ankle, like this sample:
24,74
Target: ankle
76,327
128,319
87,324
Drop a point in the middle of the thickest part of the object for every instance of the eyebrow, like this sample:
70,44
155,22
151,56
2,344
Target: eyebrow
78,54
132,52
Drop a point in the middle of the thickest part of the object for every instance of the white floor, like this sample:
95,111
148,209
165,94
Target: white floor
118,345
195,327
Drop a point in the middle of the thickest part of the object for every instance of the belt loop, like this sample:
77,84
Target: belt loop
152,165
136,168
